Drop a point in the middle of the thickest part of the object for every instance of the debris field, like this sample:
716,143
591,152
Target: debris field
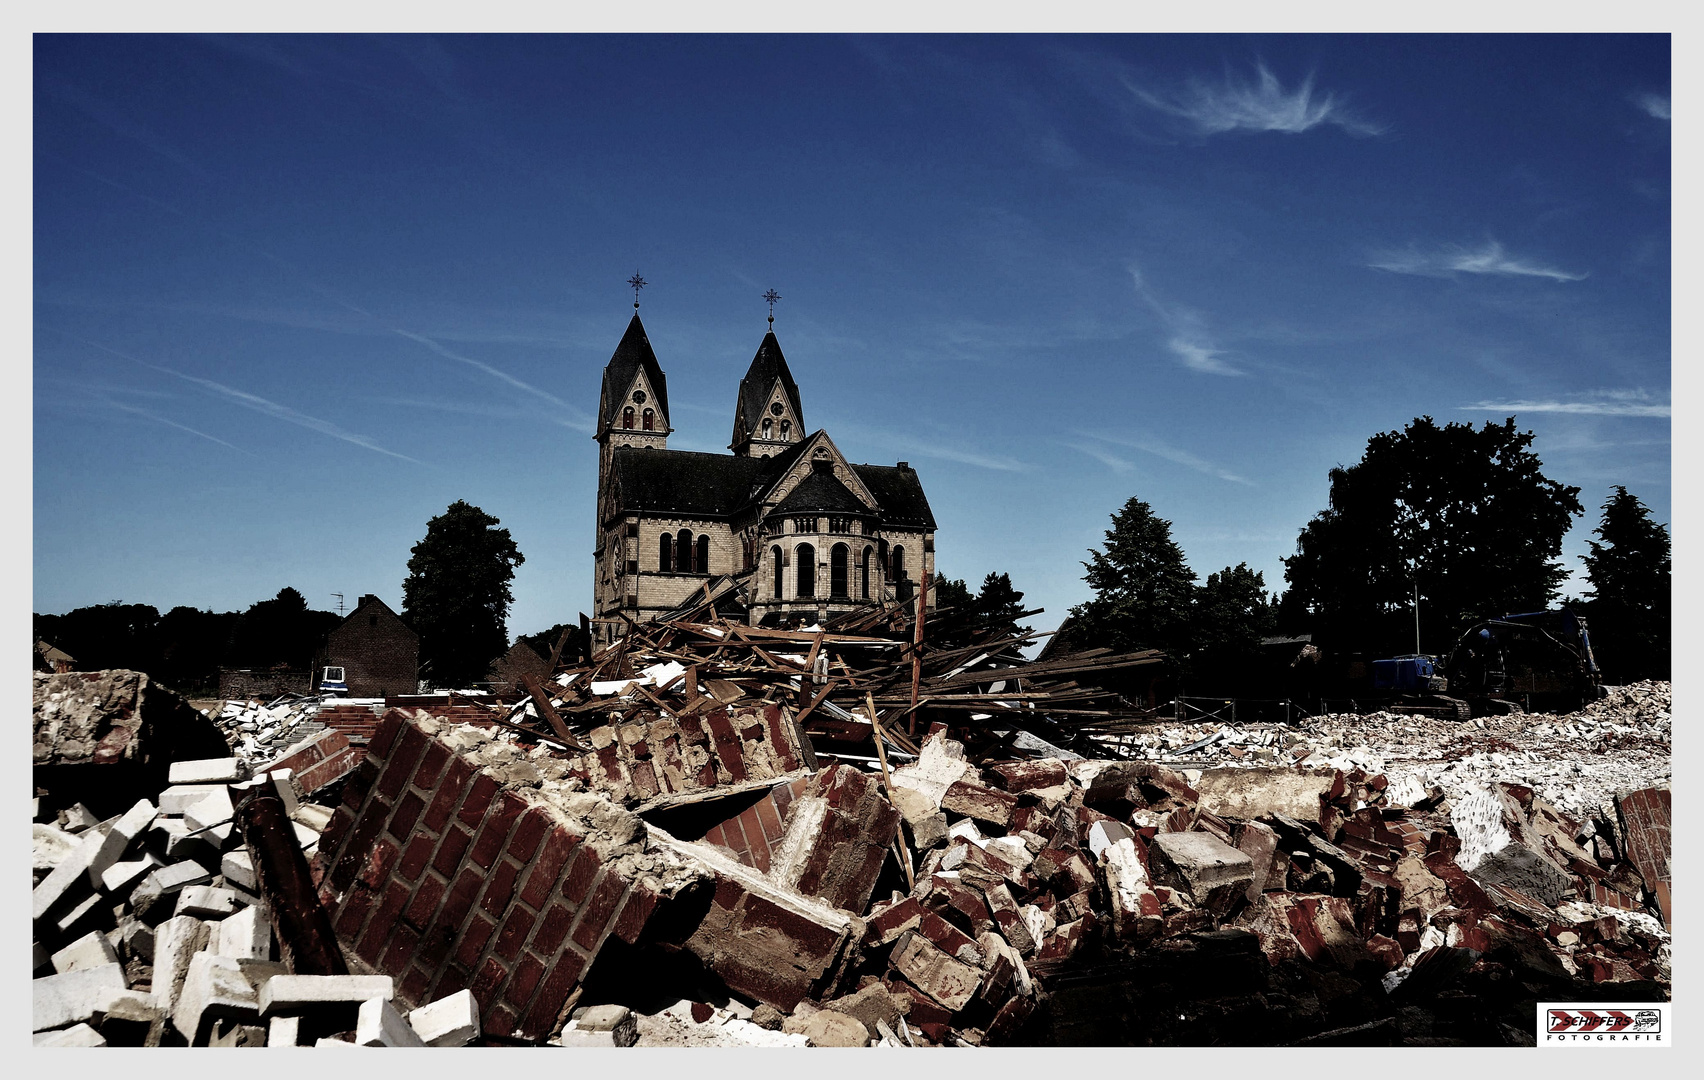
714,834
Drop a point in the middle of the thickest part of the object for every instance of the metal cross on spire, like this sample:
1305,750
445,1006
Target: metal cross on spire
772,296
638,283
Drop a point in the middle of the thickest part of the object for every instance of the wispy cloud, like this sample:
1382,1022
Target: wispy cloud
111,118
1656,105
1488,258
121,407
260,404
1189,340
894,442
1597,403
1175,456
1260,105
1110,460
576,418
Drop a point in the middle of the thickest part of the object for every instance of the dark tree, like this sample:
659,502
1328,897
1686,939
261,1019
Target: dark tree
1465,513
278,633
1232,613
1629,609
1144,591
964,618
191,643
114,635
544,642
1000,606
456,595
949,594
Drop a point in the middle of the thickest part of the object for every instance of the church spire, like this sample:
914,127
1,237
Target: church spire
768,415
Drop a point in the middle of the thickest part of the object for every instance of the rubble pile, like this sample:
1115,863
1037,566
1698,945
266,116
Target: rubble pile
1621,742
713,834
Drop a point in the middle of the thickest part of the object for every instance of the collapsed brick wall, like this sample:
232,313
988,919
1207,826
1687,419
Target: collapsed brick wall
757,830
436,875
692,753
353,721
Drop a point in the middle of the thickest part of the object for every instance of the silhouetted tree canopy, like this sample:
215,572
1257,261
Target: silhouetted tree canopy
1629,606
456,595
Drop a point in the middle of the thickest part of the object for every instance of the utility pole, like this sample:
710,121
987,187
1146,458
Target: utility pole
1416,616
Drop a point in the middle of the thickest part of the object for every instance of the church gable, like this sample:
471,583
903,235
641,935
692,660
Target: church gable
819,455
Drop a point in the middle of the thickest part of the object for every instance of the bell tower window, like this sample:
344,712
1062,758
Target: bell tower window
627,418
650,420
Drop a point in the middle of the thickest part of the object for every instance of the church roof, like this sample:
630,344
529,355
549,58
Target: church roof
899,493
684,482
634,353
821,492
767,366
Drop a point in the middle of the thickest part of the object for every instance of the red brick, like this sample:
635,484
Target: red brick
450,851
489,843
541,878
645,783
486,981
524,981
635,912
581,872
360,783
769,818
354,913
461,897
564,976
499,887
753,828
376,867
420,910
431,764
403,817
727,745
337,829
399,767
473,940
414,986
401,949
735,839
478,800
451,980
355,851
599,911
415,857
531,829
552,929
449,793
514,933
499,1021
385,733
716,836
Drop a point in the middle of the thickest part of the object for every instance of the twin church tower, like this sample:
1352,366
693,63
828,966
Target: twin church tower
801,531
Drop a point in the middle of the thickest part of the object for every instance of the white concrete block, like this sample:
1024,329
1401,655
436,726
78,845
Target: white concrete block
124,832
207,902
285,785
122,877
49,845
137,939
76,996
67,922
379,1024
175,800
238,868
212,809
282,993
167,881
222,770
247,935
213,989
69,878
76,1035
449,1021
284,1031
90,950
320,1043
176,942
78,819
314,816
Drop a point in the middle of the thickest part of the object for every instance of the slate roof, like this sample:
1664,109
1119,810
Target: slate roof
900,495
767,366
630,356
821,492
684,482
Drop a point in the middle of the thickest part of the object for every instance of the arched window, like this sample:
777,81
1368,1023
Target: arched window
864,575
683,552
627,417
806,556
703,562
838,557
786,426
650,420
665,554
896,564
768,428
780,578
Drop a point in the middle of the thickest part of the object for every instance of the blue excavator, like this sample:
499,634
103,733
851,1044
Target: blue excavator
1537,661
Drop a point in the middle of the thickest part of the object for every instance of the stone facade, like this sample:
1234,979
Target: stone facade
802,532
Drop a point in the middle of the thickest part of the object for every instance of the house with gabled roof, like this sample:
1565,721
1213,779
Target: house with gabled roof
801,532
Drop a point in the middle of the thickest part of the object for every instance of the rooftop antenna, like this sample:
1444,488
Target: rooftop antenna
772,296
339,602
638,283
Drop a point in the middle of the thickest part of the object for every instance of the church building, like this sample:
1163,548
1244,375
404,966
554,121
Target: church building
802,532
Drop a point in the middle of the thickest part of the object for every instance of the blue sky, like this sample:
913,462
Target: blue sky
295,295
